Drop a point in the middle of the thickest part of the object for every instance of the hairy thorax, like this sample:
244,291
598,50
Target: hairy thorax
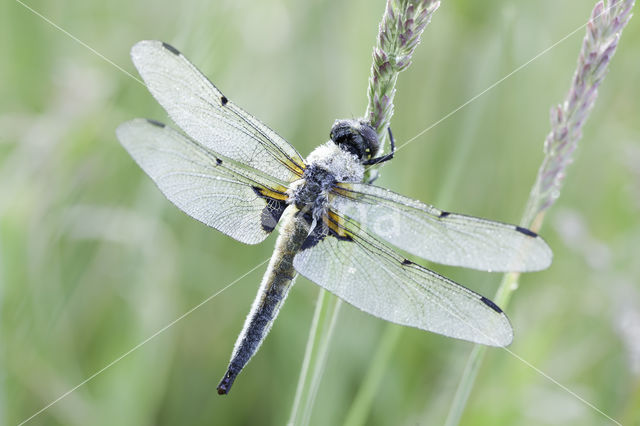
327,165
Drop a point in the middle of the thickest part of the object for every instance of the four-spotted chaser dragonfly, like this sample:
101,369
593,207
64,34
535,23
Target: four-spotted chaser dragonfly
231,172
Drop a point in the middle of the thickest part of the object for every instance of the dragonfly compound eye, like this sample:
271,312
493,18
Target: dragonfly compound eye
355,136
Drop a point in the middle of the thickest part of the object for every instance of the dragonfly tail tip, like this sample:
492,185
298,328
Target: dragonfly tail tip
225,384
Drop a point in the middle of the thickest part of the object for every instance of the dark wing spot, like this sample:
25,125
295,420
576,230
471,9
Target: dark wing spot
320,232
526,232
155,123
444,214
407,262
271,214
224,100
490,304
345,237
272,211
218,161
170,48
314,238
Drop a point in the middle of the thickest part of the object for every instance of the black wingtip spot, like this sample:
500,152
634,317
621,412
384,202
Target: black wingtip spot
218,161
490,304
407,262
526,232
155,123
224,100
170,48
444,214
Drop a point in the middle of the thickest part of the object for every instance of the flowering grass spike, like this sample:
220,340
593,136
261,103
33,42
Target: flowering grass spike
399,33
567,119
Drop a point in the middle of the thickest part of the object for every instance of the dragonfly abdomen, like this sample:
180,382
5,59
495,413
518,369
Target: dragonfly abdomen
277,281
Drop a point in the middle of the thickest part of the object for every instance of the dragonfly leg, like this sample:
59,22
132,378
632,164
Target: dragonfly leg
383,158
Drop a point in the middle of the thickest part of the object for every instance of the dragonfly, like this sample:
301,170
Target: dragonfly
233,173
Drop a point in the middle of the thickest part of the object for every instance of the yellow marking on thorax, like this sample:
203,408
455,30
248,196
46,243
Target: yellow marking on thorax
336,224
343,189
277,193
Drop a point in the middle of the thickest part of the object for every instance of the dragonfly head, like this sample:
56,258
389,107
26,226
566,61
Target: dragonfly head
356,137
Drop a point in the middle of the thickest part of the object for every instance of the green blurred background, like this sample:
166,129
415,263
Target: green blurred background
94,260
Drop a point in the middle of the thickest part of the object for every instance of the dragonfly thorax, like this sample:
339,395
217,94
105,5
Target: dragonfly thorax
326,165
329,157
309,194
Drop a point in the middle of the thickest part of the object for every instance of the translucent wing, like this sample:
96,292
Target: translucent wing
361,270
208,117
209,187
439,236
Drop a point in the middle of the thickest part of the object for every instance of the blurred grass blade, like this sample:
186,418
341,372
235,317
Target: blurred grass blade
309,354
399,33
361,406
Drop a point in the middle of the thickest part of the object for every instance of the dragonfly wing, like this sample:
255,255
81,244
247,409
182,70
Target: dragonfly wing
361,270
439,236
207,116
209,187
